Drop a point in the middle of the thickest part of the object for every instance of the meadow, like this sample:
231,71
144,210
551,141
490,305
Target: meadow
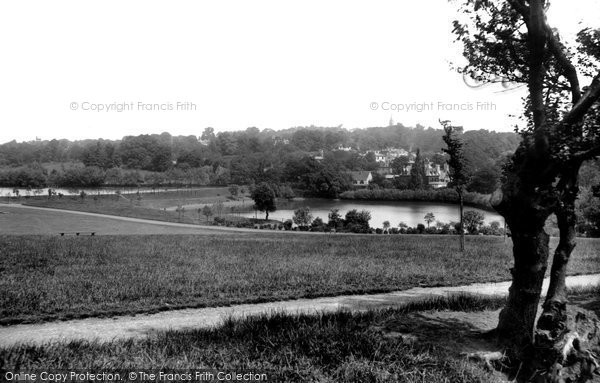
48,278
338,347
155,206
24,221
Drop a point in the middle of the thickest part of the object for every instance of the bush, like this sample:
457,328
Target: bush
317,225
357,222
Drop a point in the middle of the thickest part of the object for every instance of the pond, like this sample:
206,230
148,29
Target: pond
409,212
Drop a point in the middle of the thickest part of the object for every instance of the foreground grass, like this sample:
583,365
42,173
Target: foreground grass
340,347
46,278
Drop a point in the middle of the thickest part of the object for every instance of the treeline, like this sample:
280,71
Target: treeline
446,195
159,152
36,176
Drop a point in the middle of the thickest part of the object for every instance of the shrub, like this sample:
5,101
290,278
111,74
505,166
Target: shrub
287,224
317,225
357,222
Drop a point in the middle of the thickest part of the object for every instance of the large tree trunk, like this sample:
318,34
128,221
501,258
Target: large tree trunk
525,208
554,316
517,319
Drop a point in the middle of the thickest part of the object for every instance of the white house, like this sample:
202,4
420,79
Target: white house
361,178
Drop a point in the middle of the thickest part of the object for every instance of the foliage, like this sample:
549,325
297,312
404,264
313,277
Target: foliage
32,176
317,225
207,212
429,217
399,165
473,220
437,195
302,216
418,178
264,198
357,222
335,219
459,175
285,191
233,190
250,155
89,176
485,180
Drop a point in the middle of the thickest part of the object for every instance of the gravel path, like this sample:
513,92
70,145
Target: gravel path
106,329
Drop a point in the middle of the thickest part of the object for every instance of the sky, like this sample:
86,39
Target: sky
106,69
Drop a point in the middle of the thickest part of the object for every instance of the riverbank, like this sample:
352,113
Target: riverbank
447,195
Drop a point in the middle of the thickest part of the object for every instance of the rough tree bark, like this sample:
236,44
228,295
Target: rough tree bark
554,315
525,215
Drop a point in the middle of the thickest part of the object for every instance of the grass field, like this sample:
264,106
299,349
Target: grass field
340,347
23,221
153,206
43,278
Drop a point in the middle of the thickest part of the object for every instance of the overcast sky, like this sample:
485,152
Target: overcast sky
235,64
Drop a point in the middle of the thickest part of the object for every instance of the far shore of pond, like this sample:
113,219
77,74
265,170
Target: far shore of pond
409,212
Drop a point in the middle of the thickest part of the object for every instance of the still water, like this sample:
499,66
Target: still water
411,213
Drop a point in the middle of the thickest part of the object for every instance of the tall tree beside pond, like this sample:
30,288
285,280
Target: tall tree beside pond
459,176
264,198
418,178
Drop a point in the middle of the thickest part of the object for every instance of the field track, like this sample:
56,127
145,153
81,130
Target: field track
107,329
20,219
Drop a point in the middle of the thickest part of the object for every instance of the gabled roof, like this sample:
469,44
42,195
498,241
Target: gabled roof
360,176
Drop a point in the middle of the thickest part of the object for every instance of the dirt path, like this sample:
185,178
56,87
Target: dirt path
106,329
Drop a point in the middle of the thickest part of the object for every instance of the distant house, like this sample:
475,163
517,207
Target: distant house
362,178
